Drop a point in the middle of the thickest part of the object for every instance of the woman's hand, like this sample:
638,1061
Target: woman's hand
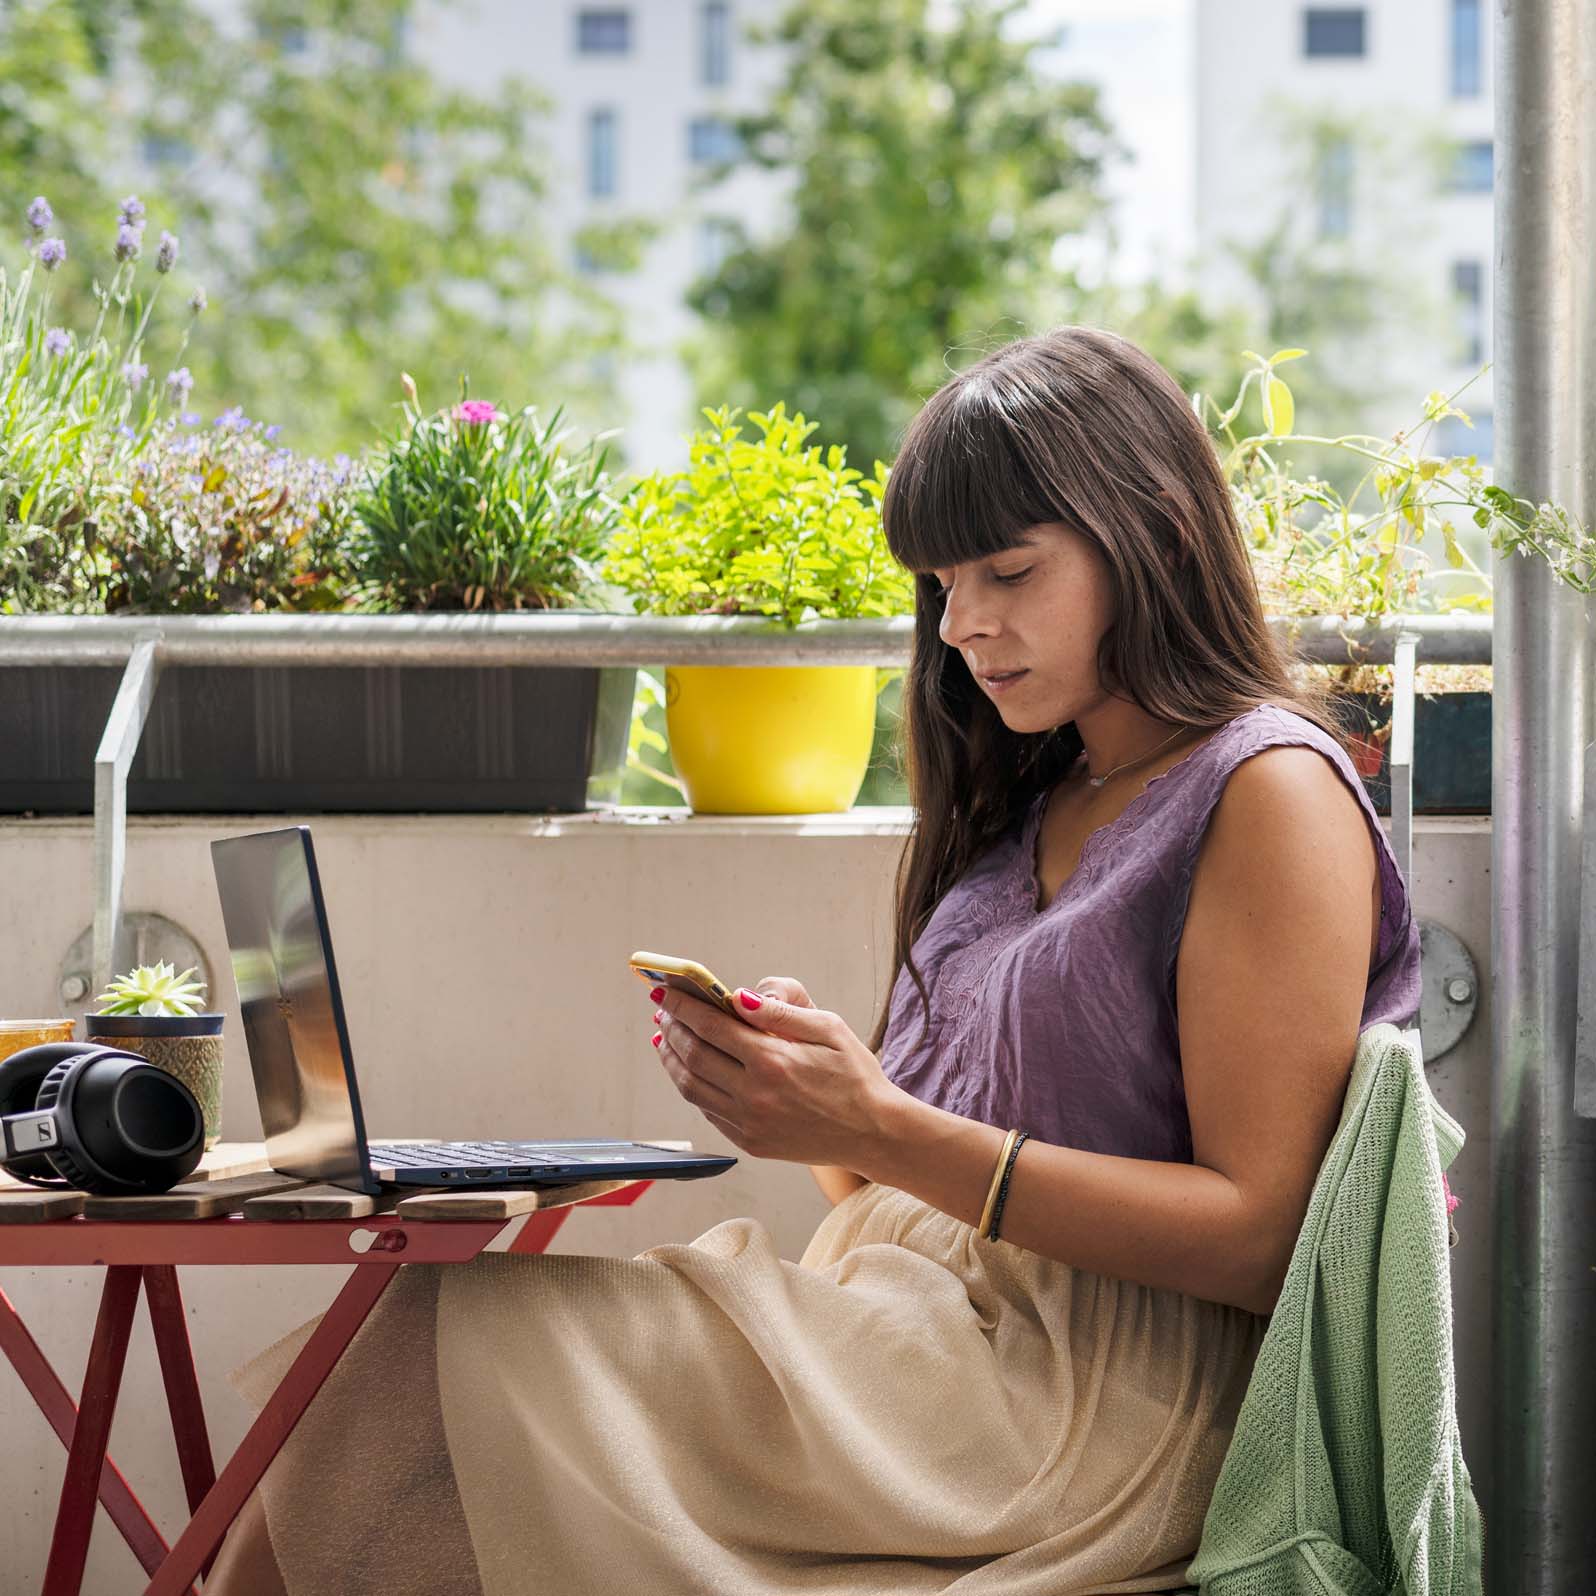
785,1080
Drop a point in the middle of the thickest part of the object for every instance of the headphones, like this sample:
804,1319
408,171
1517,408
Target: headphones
96,1118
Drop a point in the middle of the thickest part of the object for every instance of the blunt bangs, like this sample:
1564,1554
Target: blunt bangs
960,488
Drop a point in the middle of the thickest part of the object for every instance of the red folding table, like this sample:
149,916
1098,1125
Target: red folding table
231,1219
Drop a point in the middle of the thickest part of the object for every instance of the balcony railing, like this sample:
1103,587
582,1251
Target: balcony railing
575,638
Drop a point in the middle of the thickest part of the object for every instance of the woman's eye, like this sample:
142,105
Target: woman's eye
1008,581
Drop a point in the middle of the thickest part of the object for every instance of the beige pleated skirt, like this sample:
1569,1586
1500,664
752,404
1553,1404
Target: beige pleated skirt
908,1408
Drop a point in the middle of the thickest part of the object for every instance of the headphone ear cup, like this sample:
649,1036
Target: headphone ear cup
21,1076
101,1149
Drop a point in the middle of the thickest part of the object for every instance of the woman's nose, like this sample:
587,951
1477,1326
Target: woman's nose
961,618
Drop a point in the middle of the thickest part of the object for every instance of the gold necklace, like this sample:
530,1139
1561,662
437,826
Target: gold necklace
1097,781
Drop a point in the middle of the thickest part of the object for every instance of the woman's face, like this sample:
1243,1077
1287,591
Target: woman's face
1039,608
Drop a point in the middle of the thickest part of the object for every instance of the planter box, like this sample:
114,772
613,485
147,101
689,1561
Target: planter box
329,739
1451,752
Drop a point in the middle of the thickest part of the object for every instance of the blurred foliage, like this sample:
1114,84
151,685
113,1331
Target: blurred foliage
933,168
351,213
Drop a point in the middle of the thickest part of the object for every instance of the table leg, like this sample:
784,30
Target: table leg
541,1226
182,1383
61,1413
74,1519
272,1427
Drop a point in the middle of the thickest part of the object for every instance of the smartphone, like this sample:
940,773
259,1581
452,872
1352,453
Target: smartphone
685,975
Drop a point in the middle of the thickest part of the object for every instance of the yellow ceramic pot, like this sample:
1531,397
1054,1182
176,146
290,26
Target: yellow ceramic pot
770,739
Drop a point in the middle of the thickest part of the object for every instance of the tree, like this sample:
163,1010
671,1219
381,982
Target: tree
347,214
933,168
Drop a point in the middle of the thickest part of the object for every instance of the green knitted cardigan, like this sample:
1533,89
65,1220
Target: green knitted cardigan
1345,1476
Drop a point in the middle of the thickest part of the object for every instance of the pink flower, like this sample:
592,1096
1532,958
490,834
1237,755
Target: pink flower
476,412
1451,1201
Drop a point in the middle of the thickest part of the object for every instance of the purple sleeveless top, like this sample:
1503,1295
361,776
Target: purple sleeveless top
1063,1022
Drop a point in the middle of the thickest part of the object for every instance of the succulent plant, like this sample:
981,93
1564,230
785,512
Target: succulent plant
153,989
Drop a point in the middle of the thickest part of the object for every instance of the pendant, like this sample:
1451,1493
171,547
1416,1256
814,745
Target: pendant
1095,781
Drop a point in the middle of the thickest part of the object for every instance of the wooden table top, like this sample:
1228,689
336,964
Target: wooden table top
236,1178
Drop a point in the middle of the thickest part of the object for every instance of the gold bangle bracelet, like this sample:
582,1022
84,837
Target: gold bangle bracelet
997,1177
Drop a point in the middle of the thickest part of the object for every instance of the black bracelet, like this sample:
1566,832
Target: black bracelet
1003,1188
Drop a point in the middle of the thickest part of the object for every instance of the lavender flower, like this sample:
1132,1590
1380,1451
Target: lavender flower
129,241
166,255
273,430
178,384
189,418
234,420
125,431
132,212
40,215
197,301
135,371
51,253
57,341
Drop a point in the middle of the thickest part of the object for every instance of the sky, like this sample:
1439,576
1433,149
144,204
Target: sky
1141,54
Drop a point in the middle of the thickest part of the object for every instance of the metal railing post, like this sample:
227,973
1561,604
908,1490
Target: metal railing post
114,758
1404,658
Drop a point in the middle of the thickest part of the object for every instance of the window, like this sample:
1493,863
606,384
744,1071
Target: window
712,141
1471,168
718,237
1465,49
1468,289
603,32
1335,188
1337,32
603,156
714,43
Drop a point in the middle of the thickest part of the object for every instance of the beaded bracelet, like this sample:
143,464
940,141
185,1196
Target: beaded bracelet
1003,1189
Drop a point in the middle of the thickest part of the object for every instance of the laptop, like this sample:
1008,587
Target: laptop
304,1070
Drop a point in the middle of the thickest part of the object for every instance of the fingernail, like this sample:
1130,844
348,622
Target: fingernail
657,993
656,1039
748,1000
659,1014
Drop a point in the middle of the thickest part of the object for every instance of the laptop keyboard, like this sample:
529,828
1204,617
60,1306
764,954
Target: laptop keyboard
424,1155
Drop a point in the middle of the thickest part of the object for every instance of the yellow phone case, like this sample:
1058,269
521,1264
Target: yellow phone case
685,975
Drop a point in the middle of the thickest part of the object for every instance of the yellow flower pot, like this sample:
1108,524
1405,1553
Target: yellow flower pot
769,739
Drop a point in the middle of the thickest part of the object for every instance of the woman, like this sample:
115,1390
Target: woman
1144,913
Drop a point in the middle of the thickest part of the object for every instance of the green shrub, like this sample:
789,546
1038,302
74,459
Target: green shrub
75,410
473,509
220,519
759,526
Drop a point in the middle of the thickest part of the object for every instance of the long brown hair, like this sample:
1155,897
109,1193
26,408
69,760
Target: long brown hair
1077,426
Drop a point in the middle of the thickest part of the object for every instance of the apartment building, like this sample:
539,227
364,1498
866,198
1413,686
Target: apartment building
1404,176
642,98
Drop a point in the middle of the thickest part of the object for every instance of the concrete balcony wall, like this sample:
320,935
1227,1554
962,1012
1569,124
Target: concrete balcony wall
483,967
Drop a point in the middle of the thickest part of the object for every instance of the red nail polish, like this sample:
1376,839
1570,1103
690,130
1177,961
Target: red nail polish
748,1000
656,1039
659,1014
657,993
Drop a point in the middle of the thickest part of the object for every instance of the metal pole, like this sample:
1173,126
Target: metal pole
1541,1517
123,728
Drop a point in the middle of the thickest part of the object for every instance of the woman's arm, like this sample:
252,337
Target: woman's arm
836,1182
1270,987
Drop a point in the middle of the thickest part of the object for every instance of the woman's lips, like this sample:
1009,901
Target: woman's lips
997,684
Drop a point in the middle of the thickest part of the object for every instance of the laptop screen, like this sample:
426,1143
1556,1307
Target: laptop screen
293,1016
